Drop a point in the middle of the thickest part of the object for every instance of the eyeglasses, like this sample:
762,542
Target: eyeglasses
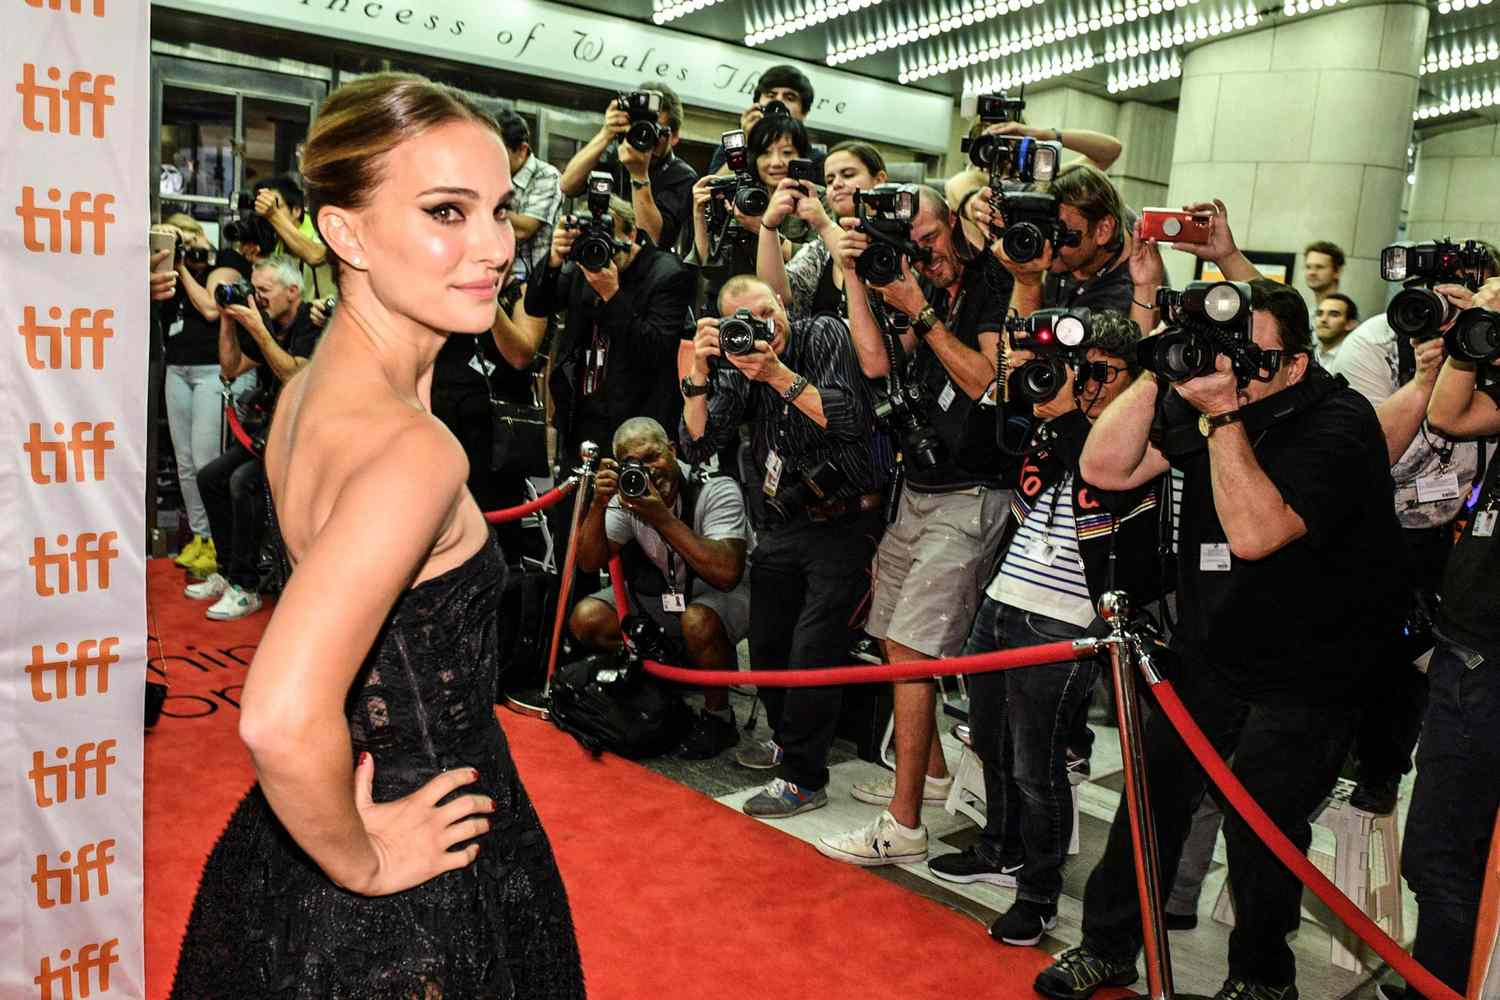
1099,371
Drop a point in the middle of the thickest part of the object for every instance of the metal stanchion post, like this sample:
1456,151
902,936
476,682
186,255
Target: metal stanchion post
1114,608
533,701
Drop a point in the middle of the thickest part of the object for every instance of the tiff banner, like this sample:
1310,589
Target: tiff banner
73,382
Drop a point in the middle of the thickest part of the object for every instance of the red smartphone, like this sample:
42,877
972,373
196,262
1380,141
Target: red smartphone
1174,226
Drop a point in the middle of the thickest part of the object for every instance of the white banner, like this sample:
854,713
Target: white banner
73,375
595,50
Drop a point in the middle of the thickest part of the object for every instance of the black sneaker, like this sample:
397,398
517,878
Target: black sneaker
1078,972
1393,991
1024,923
1244,989
709,737
1378,797
968,866
1078,767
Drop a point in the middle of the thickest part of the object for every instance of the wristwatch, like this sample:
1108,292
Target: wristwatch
1207,425
636,185
923,322
691,388
795,389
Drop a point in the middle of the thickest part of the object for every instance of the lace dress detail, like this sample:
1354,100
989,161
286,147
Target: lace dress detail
268,924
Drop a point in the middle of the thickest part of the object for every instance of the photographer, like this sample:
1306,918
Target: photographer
1094,148
1432,473
660,184
812,282
266,327
615,355
1285,571
1067,550
538,195
800,386
682,544
1454,801
725,239
195,408
785,83
279,201
950,510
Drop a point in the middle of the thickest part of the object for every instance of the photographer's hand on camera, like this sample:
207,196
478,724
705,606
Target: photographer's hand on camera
904,293
606,483
605,282
786,201
650,508
1220,247
762,365
850,245
616,122
163,283
563,236
1215,393
635,161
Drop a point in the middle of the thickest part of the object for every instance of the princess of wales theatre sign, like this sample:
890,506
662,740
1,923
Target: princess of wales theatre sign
545,39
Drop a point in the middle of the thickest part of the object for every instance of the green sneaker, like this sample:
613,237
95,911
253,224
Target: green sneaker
1078,972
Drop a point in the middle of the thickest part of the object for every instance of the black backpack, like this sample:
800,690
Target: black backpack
607,702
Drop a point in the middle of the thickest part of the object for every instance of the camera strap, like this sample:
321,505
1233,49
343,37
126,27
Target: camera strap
1180,439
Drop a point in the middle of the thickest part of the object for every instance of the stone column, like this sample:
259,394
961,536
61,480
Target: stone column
1458,175
1302,130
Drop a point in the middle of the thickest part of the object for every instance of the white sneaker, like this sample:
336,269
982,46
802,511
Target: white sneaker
883,842
881,791
235,603
206,590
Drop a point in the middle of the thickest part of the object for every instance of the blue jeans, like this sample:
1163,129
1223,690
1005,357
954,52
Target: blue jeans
1020,723
1453,807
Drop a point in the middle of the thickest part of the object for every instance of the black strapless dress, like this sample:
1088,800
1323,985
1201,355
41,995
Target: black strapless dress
268,924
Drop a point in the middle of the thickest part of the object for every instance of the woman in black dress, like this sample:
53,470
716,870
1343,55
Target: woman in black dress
389,848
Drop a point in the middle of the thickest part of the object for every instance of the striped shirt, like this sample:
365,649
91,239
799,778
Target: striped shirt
538,194
1043,570
820,349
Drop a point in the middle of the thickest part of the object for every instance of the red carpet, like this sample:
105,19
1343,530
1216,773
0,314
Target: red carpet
674,895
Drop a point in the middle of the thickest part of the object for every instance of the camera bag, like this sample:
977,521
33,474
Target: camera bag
607,702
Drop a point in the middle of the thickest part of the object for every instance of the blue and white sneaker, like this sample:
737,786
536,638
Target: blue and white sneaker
781,799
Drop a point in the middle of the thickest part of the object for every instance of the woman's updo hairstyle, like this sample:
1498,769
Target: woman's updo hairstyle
863,152
363,121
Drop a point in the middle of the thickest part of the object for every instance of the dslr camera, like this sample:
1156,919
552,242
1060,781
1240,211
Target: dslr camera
635,479
739,333
644,109
885,214
1204,320
775,107
1475,337
596,246
740,189
1060,339
810,486
234,293
1030,219
903,414
1418,311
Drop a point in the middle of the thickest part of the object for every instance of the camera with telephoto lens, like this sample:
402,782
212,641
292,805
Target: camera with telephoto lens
885,214
811,486
234,293
1474,337
1418,311
738,333
1204,320
1059,338
596,245
644,108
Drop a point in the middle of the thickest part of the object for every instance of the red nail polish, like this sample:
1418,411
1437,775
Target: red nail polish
364,755
474,773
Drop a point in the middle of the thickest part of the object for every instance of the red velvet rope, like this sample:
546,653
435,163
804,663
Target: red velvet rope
552,496
238,429
1006,659
1370,932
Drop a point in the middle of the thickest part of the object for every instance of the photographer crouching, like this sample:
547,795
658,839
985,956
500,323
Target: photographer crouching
1287,564
263,325
800,386
682,544
1457,791
951,479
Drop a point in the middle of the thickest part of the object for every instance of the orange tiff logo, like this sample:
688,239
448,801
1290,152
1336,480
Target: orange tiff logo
87,444
74,6
85,210
95,757
90,875
87,547
85,327
83,90
97,655
90,971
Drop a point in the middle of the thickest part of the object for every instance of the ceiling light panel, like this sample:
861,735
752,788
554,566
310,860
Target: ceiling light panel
888,28
770,21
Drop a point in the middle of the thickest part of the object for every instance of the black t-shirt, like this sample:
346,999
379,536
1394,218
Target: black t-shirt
672,183
1304,622
298,340
977,305
197,342
1110,289
1470,610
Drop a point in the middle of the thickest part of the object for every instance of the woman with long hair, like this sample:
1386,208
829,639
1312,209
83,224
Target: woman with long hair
388,848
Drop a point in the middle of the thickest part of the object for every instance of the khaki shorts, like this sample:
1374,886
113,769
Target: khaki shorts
932,567
732,607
